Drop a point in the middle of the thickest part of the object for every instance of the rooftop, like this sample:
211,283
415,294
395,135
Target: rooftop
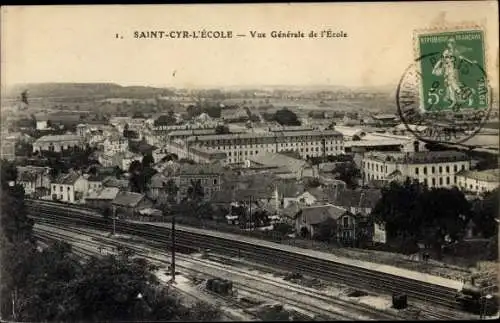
67,179
422,157
489,175
358,198
198,169
318,214
191,132
158,180
279,134
112,181
128,199
412,127
350,131
385,117
279,160
51,138
106,193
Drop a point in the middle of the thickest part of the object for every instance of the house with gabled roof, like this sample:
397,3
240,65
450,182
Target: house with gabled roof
69,187
358,201
101,198
309,218
127,204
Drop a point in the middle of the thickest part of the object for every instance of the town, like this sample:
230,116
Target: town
290,166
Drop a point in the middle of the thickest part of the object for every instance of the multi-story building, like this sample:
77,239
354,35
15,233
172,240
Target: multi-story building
433,168
120,159
57,143
81,129
95,137
195,153
69,187
209,176
239,147
478,181
8,148
34,179
115,143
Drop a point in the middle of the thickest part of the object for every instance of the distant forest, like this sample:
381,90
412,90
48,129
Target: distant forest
94,90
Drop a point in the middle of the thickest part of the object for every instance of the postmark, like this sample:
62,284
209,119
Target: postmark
444,96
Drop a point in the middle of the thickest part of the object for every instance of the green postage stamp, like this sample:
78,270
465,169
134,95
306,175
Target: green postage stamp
452,71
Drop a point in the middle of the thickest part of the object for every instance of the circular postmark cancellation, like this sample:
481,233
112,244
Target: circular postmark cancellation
444,96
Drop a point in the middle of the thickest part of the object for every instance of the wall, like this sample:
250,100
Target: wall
65,193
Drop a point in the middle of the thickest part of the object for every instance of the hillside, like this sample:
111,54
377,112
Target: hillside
88,90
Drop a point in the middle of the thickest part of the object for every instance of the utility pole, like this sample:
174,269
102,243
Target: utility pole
114,220
172,266
250,226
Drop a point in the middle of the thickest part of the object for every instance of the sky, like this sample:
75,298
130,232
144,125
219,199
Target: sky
79,44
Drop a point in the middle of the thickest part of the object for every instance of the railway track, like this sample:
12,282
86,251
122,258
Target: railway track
248,282
350,275
48,237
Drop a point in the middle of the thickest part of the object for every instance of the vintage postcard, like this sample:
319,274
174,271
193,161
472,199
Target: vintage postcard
250,162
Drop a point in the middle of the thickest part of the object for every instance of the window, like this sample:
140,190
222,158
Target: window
215,181
53,187
433,170
433,182
69,188
416,170
346,222
440,181
440,169
463,167
447,181
425,170
425,181
376,167
60,188
454,168
447,169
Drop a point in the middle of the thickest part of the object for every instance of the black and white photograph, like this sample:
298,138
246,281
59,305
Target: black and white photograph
250,162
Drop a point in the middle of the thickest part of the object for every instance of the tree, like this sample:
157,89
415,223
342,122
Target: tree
59,287
326,230
165,120
348,173
286,117
125,130
148,160
485,213
135,178
195,191
17,245
283,228
9,172
222,129
412,211
313,182
445,213
261,218
171,189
